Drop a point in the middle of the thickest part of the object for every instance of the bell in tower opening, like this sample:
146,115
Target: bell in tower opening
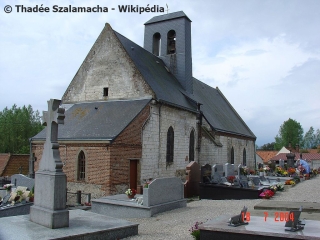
171,48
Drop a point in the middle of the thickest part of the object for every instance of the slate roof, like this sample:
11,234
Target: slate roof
307,156
165,85
103,120
167,17
216,108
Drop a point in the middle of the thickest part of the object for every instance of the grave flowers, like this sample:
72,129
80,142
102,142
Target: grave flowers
231,179
194,230
244,171
8,186
266,194
290,182
280,187
291,170
131,192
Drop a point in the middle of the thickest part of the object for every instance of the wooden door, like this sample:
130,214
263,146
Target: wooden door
133,173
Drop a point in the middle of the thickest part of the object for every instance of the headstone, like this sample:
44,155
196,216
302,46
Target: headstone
216,178
217,169
241,176
49,207
21,180
281,163
206,173
255,180
290,159
163,190
193,179
229,169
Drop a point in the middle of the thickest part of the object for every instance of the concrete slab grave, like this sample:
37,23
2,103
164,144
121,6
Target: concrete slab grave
162,194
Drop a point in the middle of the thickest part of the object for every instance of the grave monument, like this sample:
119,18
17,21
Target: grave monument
49,207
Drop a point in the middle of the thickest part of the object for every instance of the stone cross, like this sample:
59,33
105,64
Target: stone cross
51,157
49,207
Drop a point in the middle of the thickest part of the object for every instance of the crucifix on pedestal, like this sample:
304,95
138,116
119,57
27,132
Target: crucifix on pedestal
49,207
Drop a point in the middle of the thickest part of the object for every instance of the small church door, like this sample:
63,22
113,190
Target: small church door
133,173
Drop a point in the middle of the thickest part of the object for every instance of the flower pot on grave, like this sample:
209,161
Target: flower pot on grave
261,174
131,196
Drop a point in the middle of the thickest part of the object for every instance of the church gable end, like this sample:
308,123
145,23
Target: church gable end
106,73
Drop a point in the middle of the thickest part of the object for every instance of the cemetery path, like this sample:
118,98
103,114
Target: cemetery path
175,224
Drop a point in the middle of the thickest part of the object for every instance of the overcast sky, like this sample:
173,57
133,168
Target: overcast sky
263,55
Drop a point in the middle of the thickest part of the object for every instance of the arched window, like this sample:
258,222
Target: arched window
81,166
232,156
171,42
191,146
156,44
244,157
170,145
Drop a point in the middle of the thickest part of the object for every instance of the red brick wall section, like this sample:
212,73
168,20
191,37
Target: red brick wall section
127,145
107,166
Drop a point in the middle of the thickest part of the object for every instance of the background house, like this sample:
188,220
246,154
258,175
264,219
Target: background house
136,113
11,164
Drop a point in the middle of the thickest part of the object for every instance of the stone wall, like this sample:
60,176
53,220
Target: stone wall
213,154
107,65
153,162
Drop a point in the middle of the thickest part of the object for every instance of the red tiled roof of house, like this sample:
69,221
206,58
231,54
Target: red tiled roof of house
307,156
4,158
266,155
313,150
13,163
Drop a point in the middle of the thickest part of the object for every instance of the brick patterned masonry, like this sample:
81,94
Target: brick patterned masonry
107,165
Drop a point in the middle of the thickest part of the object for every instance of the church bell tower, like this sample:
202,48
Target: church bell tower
169,37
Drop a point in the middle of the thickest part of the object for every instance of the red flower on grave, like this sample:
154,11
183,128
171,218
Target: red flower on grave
231,179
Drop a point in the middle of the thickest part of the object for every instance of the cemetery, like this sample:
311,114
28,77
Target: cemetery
37,207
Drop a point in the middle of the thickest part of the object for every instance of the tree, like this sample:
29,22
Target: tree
311,139
308,139
17,125
267,146
290,131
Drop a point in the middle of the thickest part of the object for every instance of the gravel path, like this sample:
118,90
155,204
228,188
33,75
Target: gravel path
175,224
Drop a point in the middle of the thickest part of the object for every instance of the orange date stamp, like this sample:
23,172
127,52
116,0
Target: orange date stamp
277,216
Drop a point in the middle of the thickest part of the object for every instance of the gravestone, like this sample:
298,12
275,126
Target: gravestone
21,180
163,190
242,178
281,163
217,169
229,169
255,180
193,179
290,159
49,207
217,173
206,173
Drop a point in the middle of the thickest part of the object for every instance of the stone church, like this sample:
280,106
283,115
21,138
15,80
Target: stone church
135,113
